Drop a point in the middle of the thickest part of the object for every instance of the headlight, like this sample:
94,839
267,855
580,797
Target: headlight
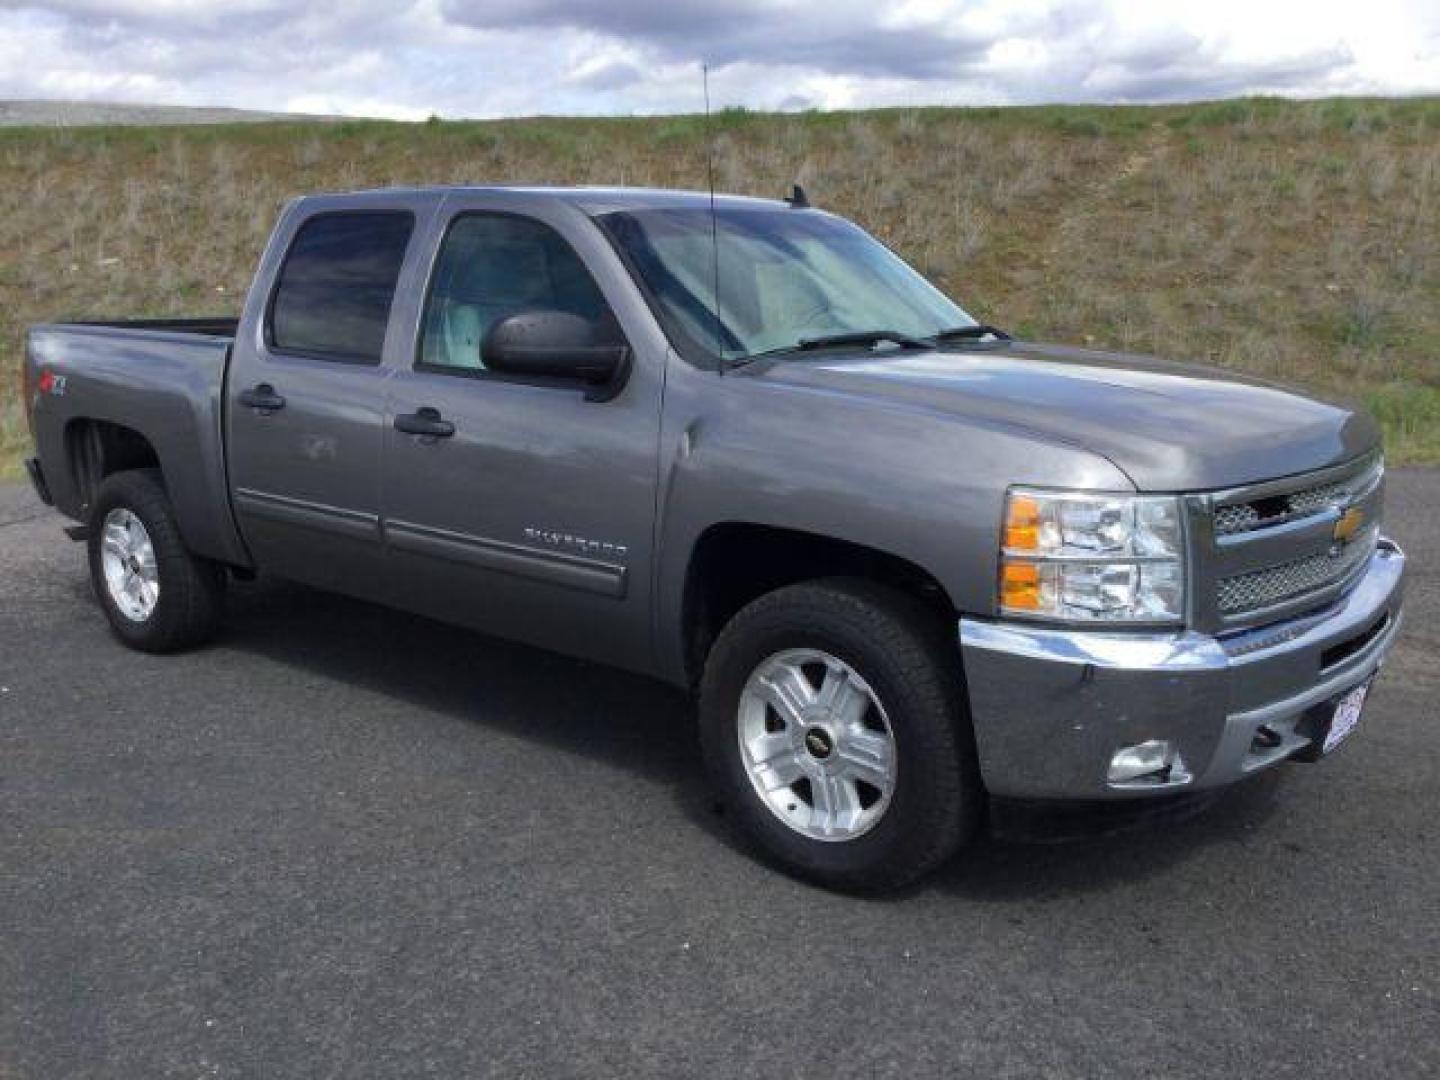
1078,557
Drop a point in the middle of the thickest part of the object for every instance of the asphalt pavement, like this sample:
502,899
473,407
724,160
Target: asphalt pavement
344,842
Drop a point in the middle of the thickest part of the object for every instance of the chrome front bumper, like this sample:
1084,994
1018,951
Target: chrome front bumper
1051,707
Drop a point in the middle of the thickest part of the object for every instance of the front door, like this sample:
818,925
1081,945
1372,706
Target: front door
306,405
532,517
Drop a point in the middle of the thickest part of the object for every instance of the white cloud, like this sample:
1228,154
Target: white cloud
411,58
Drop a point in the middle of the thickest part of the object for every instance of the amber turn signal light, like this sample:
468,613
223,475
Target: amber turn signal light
1020,586
1022,524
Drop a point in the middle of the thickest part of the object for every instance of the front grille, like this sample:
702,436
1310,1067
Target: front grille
1277,584
1242,517
1271,549
1235,519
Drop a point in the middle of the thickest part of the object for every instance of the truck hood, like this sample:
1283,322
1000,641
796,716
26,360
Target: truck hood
1168,426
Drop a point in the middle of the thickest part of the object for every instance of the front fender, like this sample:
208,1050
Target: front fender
922,487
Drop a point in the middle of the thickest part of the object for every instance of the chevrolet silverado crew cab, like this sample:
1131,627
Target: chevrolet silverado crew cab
909,565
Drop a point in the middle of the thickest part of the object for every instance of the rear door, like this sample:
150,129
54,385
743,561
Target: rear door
533,519
306,401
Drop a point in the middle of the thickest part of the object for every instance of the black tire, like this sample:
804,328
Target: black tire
192,590
901,649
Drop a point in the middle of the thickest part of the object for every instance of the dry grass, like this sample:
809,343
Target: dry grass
1293,240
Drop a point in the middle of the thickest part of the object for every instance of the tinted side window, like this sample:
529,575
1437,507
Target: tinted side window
491,265
335,289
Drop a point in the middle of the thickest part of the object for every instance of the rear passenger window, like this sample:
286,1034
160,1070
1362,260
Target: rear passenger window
492,265
335,288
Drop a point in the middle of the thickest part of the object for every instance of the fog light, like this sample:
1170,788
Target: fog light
1157,761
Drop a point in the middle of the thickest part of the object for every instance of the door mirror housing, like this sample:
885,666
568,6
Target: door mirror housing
557,344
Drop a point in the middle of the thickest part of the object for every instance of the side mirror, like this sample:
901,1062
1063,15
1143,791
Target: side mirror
556,344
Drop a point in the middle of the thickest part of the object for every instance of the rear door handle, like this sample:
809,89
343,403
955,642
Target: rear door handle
262,397
424,421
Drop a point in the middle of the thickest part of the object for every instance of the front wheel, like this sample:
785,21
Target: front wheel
157,595
834,729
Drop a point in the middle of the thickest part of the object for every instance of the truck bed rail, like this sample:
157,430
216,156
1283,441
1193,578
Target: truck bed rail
208,326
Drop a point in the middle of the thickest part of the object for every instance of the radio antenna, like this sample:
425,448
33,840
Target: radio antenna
714,226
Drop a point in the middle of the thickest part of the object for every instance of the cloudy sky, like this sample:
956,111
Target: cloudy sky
484,58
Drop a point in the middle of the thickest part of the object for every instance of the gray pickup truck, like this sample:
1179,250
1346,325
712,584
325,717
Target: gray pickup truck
910,566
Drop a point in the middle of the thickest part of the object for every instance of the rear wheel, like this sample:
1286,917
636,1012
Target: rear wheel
157,596
834,729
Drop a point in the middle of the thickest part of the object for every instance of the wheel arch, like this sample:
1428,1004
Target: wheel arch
732,563
96,449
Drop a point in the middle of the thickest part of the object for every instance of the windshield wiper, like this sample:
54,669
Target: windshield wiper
970,333
860,337
837,341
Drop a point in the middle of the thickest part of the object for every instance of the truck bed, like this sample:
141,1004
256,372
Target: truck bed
149,391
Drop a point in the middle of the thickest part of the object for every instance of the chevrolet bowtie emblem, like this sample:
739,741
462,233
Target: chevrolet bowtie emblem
1348,525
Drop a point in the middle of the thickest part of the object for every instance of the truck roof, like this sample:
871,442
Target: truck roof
591,200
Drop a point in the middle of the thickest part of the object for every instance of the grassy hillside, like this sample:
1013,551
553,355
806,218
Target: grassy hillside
1296,240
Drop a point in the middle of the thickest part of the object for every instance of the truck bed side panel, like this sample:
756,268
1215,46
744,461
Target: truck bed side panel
168,386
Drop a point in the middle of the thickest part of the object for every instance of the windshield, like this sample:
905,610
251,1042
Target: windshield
785,277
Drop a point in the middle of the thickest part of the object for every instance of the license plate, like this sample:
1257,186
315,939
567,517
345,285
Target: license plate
1346,717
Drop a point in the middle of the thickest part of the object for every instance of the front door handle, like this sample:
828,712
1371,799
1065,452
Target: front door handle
424,421
262,397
